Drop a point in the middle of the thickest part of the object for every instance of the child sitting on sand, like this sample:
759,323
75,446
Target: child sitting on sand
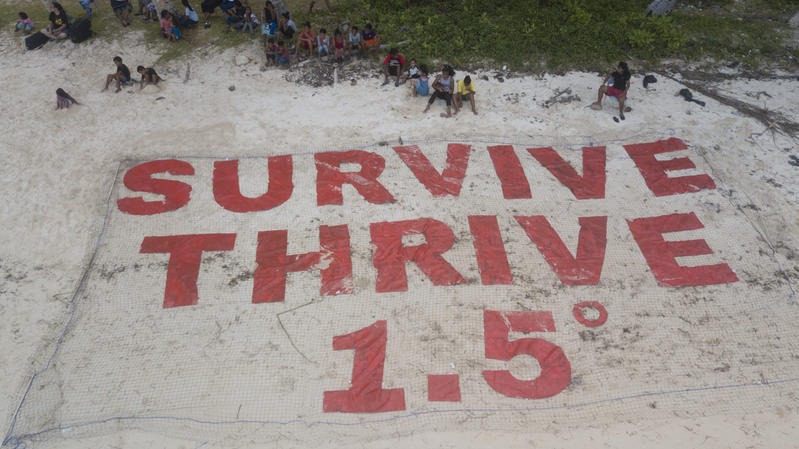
339,44
63,99
24,24
148,76
271,51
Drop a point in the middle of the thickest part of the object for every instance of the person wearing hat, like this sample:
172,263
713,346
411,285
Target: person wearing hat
393,65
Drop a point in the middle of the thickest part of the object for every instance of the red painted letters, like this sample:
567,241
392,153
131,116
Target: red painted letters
510,172
139,179
366,395
555,367
185,254
228,194
391,254
450,180
273,264
661,255
655,171
589,186
492,260
582,269
330,177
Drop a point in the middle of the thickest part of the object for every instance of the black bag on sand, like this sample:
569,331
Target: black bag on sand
35,40
80,30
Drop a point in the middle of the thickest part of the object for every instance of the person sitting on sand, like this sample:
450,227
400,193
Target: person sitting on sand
168,28
63,99
121,76
271,50
305,41
148,76
443,86
393,65
190,17
322,43
421,85
354,40
24,24
283,54
465,92
369,38
249,21
411,72
339,44
286,27
59,24
621,83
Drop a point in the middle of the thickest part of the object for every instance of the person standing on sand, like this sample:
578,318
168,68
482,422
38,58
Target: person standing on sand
621,83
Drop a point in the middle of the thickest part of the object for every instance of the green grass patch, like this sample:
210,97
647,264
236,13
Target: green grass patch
526,35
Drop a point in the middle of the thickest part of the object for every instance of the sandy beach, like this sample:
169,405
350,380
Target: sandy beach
95,355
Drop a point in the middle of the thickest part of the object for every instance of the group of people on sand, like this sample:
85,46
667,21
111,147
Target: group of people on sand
444,86
121,77
279,32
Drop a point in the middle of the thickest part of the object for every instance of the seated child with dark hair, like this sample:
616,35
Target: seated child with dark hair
271,51
24,24
148,76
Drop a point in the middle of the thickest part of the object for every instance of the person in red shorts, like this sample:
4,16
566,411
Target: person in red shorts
621,83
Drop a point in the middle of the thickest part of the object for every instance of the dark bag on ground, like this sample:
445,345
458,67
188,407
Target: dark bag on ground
80,30
35,40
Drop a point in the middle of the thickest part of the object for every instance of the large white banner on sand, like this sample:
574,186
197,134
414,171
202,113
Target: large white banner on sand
429,284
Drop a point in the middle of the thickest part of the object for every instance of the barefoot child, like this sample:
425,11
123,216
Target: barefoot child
148,76
63,99
24,24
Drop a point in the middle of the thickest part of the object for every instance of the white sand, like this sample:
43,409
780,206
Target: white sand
59,165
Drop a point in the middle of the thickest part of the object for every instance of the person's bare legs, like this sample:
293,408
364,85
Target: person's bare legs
471,102
622,96
601,93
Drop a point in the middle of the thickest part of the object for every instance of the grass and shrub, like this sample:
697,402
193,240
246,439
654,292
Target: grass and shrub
525,35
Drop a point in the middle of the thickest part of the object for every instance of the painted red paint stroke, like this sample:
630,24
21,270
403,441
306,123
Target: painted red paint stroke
585,268
591,185
443,388
330,177
579,313
661,254
366,393
227,191
391,254
446,183
185,254
655,172
273,263
555,373
140,179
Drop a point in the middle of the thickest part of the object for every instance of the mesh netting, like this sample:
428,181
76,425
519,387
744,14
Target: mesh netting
226,365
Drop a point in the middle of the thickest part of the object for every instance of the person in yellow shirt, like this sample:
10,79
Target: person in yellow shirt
465,91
